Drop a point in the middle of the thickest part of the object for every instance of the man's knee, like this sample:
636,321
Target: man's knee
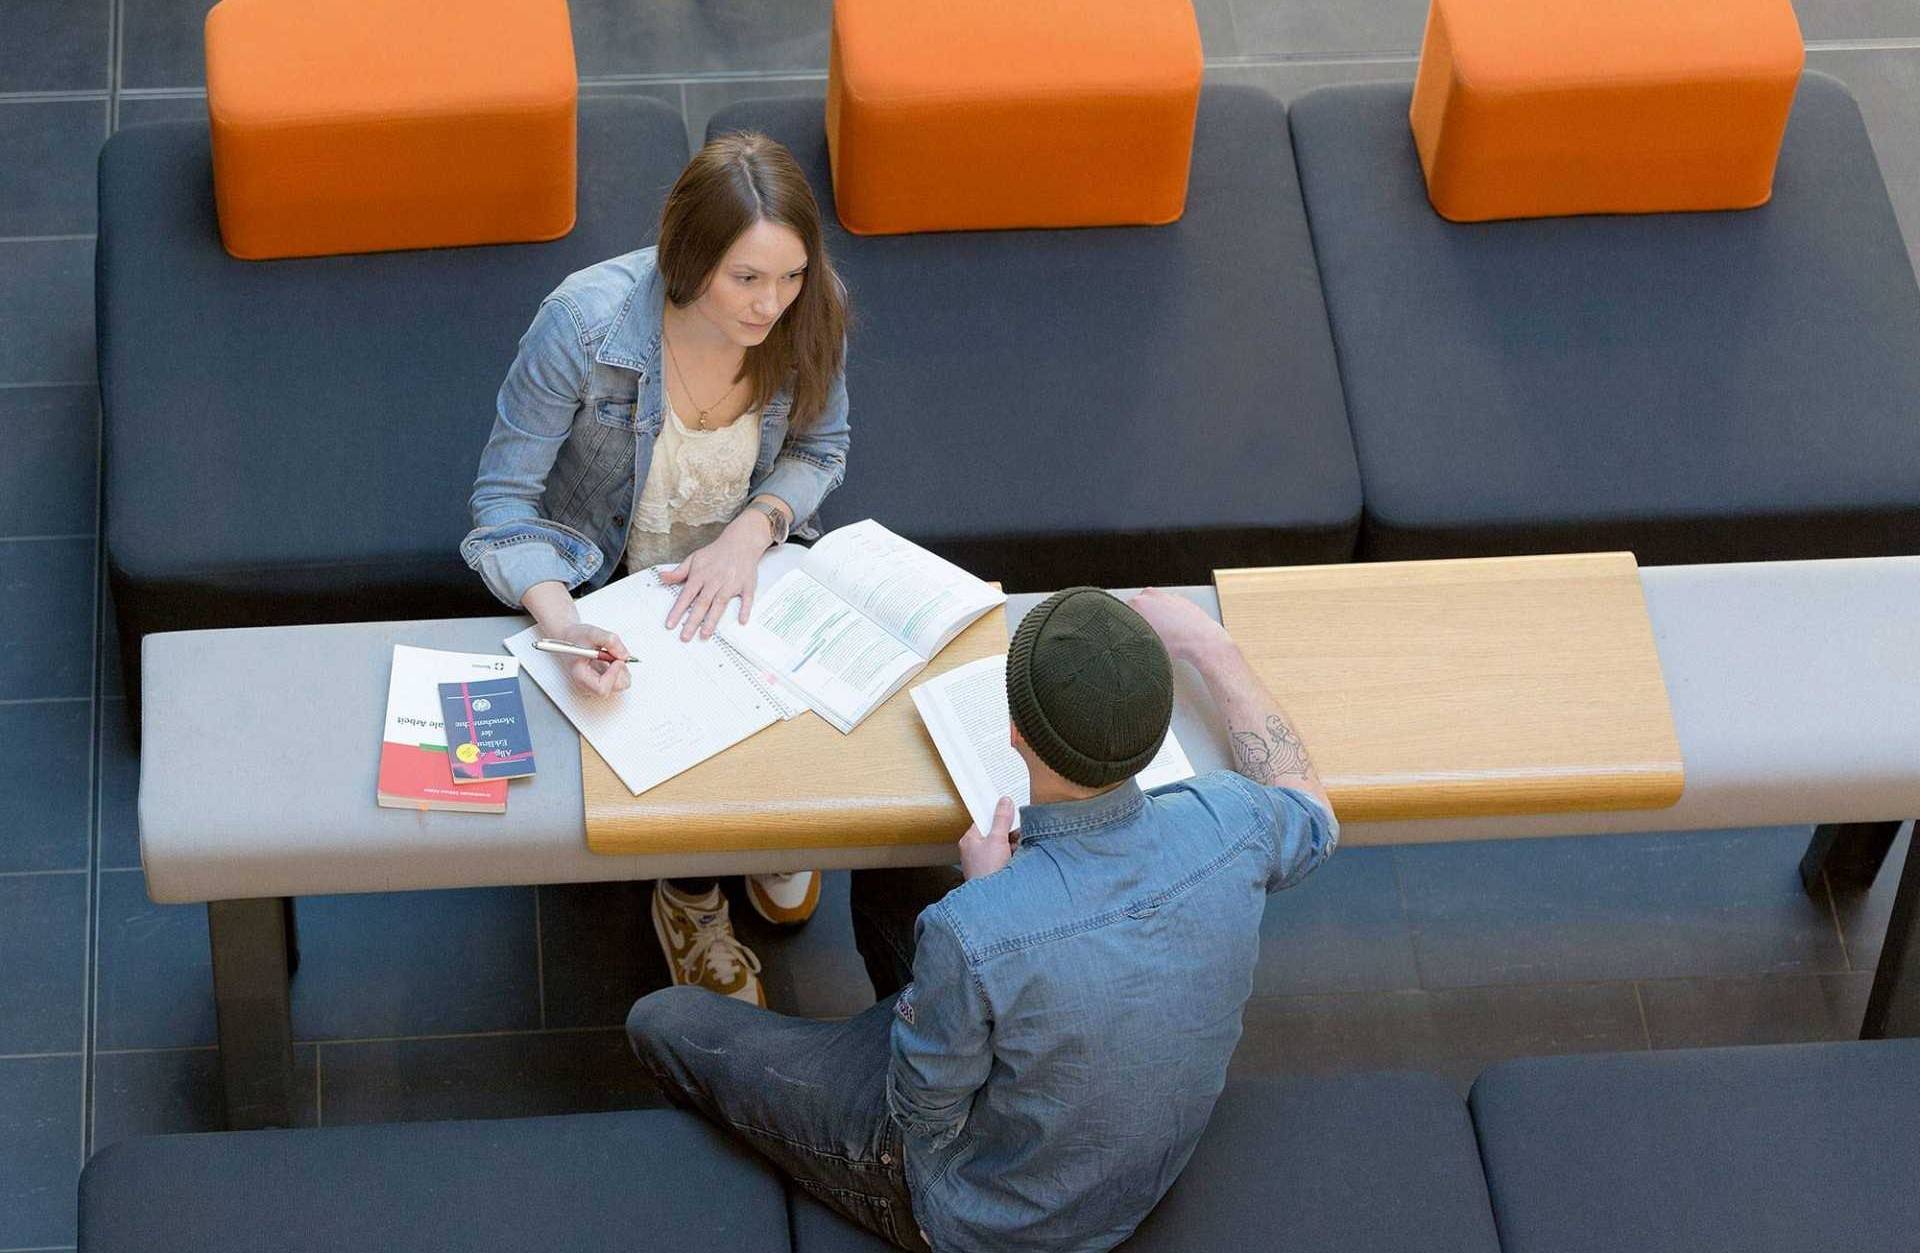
660,1020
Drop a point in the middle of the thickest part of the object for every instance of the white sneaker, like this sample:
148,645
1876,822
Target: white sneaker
697,937
784,899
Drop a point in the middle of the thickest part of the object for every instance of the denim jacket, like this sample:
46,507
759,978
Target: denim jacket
1070,1020
574,429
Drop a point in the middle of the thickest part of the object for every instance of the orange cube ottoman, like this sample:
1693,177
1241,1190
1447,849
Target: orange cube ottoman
1543,108
369,125
968,115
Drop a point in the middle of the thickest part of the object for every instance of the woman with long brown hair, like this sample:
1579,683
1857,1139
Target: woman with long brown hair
681,406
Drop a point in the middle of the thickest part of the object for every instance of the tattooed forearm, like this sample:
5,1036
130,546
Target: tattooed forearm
1274,755
1252,756
1289,752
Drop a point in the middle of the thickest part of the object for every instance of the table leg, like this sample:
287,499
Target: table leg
252,941
1850,852
1893,1008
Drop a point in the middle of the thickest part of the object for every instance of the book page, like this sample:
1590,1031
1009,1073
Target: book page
689,700
838,658
966,713
922,599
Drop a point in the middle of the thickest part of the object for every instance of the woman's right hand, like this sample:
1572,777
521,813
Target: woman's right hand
556,618
596,678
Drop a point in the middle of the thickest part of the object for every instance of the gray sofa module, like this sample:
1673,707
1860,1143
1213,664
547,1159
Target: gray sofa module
1777,1149
1106,406
1772,1149
1694,387
1378,1163
294,441
1368,1164
647,1179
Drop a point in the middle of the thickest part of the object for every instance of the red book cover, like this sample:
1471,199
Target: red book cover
414,771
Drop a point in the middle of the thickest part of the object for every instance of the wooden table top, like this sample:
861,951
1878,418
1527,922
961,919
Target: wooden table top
1437,689
800,783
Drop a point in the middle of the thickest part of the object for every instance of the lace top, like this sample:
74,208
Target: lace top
696,484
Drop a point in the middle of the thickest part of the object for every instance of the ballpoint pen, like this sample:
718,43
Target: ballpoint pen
576,650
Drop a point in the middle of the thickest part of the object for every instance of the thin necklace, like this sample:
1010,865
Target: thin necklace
700,418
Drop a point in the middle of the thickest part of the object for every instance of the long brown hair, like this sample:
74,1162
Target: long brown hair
733,182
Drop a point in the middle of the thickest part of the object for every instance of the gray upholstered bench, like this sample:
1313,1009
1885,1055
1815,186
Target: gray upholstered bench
1691,386
1778,1149
1367,1164
294,441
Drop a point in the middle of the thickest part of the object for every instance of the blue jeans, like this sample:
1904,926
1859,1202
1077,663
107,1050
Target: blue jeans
808,1095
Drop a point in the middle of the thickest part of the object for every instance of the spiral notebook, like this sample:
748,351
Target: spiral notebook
689,700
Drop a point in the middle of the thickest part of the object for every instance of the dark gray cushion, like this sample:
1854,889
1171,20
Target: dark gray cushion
295,441
1108,406
1695,387
1378,1163
647,1179
1760,1150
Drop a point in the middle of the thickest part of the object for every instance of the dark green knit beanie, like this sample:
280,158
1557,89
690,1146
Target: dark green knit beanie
1090,686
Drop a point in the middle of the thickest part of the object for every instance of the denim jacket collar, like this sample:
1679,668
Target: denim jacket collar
1037,822
633,341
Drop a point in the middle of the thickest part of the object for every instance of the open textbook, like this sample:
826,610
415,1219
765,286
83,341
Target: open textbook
861,613
966,713
689,699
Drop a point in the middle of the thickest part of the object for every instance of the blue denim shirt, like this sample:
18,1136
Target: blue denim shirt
573,435
1070,1020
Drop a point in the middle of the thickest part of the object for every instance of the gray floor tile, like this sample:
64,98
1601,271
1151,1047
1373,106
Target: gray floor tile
40,1150
51,435
113,685
178,1090
59,142
43,810
1615,907
47,655
1294,78
406,963
139,110
155,980
1887,84
1218,36
1342,930
1302,27
600,955
706,99
1455,1034
506,1076
119,790
54,45
163,43
1864,915
1754,1009
46,312
43,956
1858,19
812,970
698,36
416,963
598,952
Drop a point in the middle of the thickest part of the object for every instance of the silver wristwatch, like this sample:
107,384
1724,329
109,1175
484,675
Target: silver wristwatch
776,518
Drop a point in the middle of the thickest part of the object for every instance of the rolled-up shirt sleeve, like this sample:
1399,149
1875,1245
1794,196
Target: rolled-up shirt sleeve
811,464
942,1037
1301,832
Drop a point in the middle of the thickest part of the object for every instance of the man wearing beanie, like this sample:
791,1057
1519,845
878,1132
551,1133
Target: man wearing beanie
1055,1017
